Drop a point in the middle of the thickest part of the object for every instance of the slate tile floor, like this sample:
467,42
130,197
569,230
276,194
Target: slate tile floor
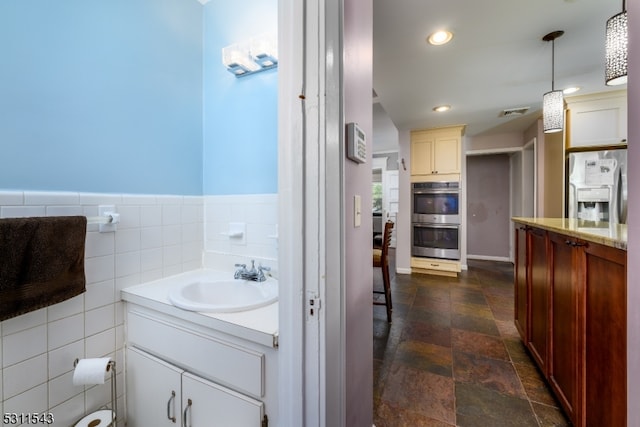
452,356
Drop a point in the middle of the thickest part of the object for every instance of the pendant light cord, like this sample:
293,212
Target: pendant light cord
553,60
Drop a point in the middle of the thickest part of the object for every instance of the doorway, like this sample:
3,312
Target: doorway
385,195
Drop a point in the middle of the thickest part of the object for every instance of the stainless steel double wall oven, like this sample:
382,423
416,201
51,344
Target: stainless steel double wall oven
435,220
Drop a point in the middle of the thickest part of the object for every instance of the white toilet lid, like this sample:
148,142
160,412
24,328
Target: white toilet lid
102,418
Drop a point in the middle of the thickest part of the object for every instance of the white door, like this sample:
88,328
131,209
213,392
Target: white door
153,391
391,194
207,404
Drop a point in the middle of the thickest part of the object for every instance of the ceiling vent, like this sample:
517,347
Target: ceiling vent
512,112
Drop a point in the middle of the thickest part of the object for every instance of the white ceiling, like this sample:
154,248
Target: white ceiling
496,60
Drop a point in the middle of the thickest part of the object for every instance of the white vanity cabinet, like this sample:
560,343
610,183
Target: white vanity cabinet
161,394
181,372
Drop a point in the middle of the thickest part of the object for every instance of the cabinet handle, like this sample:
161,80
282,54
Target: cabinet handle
434,265
568,242
171,399
575,244
184,413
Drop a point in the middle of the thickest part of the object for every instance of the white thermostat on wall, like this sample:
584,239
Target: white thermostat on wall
356,143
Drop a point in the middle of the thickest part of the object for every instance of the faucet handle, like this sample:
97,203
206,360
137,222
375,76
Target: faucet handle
263,268
241,265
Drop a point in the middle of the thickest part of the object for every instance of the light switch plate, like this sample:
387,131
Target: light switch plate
357,210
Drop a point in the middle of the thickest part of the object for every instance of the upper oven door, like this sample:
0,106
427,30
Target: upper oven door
440,206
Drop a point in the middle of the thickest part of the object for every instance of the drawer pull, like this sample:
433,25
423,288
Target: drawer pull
171,399
435,265
185,412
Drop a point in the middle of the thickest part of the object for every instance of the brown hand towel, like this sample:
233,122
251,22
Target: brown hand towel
41,262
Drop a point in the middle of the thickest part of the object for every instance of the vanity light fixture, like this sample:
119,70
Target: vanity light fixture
616,48
440,37
553,101
257,54
441,108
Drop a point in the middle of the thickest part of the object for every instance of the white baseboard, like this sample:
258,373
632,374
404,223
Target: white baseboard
403,270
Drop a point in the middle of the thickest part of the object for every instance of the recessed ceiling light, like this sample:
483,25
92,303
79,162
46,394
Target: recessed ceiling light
571,90
442,108
440,37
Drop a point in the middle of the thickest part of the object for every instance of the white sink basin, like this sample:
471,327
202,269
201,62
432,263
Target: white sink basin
224,296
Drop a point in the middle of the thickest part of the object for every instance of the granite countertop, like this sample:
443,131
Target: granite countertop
604,233
259,325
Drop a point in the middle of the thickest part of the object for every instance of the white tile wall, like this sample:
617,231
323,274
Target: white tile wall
157,236
260,214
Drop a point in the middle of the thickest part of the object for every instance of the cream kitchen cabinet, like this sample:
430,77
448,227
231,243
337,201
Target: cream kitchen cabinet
162,394
436,154
599,119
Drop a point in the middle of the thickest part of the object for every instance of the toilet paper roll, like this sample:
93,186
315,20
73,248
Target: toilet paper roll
91,371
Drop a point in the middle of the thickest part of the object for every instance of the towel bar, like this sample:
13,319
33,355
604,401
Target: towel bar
108,218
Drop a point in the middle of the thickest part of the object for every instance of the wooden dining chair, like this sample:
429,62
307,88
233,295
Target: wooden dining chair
381,260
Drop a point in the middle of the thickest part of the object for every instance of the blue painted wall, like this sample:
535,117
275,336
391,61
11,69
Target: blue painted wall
101,96
240,114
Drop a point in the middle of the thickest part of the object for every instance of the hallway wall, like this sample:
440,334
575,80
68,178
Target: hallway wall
488,201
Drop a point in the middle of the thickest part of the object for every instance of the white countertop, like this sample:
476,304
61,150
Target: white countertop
259,325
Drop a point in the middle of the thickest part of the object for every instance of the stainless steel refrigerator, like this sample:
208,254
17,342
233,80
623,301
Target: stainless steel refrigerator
596,187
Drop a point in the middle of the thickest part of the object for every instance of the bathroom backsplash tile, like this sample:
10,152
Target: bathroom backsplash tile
32,400
15,198
127,240
99,320
24,345
99,269
259,212
64,210
21,211
61,389
101,344
66,330
25,321
51,198
158,236
66,412
100,294
98,244
70,307
25,375
61,359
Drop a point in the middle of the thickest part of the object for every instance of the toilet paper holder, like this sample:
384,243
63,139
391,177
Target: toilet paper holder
111,367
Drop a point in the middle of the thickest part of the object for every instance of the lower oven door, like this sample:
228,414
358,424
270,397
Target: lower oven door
436,241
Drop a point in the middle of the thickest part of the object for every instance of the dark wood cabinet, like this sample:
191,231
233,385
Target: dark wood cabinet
539,297
520,278
573,321
565,265
605,336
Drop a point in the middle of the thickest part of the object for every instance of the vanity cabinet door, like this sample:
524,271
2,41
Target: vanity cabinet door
208,404
153,391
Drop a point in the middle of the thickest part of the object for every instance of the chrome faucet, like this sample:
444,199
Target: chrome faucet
255,274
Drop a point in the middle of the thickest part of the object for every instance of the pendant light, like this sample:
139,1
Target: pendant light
616,49
553,102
